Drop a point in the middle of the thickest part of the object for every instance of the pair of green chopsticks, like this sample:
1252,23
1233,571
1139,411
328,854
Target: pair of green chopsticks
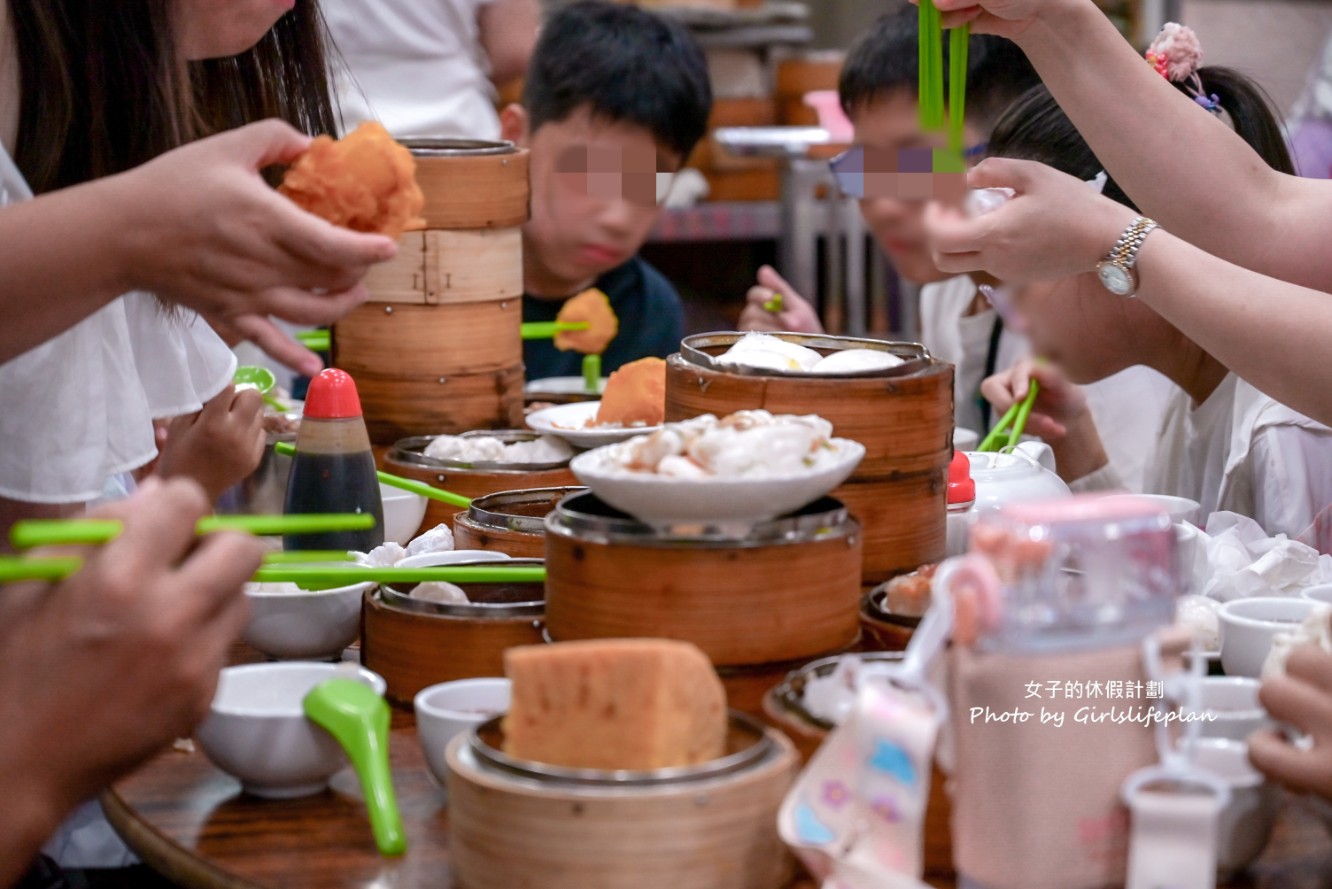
931,98
321,341
1008,432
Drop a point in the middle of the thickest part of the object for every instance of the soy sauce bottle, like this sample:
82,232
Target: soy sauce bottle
334,470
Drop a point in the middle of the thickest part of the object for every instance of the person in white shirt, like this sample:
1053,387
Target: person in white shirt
1221,442
429,67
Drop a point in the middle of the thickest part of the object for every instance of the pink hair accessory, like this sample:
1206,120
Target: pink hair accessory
1177,54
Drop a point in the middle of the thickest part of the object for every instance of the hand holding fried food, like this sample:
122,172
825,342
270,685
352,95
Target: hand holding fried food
593,307
365,182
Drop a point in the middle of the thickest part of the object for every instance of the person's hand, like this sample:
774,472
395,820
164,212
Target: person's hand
204,229
1059,414
218,446
102,670
1056,226
1303,699
1006,18
796,316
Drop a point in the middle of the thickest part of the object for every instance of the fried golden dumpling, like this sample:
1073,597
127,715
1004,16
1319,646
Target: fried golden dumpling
594,307
365,182
636,393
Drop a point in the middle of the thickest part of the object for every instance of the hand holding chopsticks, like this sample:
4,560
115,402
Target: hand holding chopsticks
1008,431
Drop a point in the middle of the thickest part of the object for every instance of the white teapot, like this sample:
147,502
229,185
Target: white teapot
1027,473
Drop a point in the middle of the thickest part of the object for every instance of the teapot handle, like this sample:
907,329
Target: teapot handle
1037,452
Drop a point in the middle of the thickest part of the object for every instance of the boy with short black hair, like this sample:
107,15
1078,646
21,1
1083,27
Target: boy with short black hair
616,98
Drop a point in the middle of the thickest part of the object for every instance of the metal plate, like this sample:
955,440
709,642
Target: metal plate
791,692
701,349
435,146
747,743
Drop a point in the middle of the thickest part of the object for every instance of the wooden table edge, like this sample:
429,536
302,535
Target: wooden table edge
160,853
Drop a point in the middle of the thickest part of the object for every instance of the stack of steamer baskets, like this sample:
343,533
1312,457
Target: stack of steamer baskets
903,416
438,346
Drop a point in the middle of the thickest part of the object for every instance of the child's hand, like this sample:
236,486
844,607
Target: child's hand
1059,415
795,315
1302,698
220,445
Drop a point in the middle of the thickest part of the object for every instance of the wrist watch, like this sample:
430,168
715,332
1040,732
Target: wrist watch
1118,272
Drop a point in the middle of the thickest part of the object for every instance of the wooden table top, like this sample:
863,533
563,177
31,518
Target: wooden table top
190,821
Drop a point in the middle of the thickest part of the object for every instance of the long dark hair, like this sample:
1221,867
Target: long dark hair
1036,128
104,89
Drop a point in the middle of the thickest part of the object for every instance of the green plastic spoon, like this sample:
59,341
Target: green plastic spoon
359,720
260,379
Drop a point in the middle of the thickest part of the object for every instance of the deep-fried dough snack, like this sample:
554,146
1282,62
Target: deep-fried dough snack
365,182
636,393
594,307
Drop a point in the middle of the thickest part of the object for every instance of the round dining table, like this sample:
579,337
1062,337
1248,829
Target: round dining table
190,822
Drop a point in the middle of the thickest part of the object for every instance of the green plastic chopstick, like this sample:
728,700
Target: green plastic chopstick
776,305
28,533
931,99
18,568
1000,437
287,449
544,330
959,46
337,576
51,569
592,373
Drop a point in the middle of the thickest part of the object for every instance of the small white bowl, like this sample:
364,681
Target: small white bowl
257,732
452,557
1248,627
309,625
448,709
1246,824
1181,509
1230,708
1321,593
659,500
403,513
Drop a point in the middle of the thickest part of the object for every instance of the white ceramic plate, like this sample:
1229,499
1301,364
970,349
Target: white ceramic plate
560,386
658,500
568,422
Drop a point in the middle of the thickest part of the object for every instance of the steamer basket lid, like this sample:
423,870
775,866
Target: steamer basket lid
747,743
494,510
438,146
701,348
586,517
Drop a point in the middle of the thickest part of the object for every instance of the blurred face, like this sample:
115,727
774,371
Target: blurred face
1086,330
594,195
890,123
211,29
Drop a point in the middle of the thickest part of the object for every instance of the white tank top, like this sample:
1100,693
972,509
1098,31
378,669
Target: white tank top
78,409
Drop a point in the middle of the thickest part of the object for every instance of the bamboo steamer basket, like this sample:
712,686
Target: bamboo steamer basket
511,522
415,644
438,348
472,480
903,416
784,707
519,824
787,590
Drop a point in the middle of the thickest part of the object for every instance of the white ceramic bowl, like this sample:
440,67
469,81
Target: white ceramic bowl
1246,824
257,732
1321,593
448,709
658,500
453,557
403,512
315,625
1249,625
1230,708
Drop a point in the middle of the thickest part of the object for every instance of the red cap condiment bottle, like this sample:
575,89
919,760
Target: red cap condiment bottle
334,469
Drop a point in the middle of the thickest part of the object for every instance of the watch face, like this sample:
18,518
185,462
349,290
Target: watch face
1116,279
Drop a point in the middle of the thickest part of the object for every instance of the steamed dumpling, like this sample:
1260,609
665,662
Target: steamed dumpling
439,592
765,352
851,360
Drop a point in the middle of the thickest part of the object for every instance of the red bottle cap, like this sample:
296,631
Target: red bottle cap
961,488
332,396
